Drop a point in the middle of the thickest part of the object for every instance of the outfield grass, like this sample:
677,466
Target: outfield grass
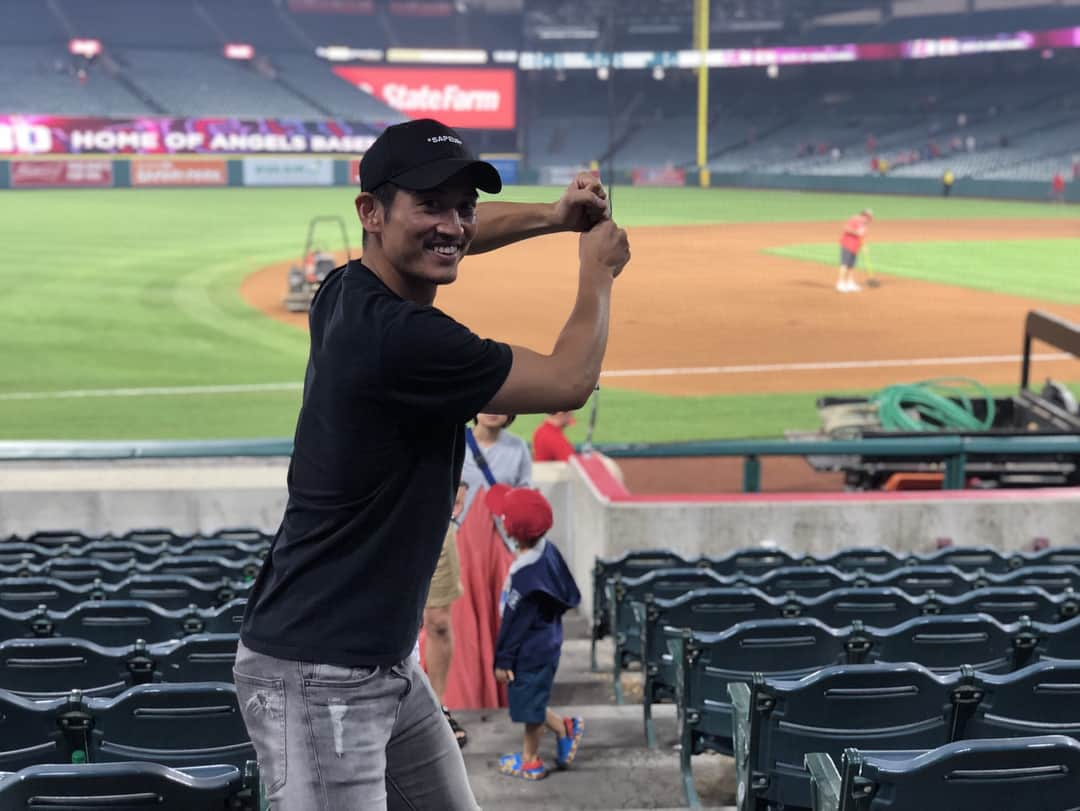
1045,269
135,288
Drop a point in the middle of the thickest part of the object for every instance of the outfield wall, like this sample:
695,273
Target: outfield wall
96,171
915,186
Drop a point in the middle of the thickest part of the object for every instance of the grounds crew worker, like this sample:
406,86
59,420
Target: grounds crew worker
339,712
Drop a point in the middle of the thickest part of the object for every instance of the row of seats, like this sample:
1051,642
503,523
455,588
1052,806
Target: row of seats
932,582
121,622
718,610
702,666
151,536
81,570
175,725
170,592
869,560
51,668
896,706
13,552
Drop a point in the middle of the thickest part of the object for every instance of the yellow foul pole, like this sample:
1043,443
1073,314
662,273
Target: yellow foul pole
701,43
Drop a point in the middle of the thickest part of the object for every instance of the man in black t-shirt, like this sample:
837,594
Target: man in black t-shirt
324,674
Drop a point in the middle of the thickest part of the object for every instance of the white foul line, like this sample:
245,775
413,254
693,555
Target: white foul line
974,360
765,368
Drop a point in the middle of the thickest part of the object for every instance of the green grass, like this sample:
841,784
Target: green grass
137,288
1043,269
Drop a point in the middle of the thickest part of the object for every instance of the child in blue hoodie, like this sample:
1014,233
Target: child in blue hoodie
539,589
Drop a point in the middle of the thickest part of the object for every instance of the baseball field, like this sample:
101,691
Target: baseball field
157,313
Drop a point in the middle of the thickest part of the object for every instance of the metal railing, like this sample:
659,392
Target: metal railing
953,451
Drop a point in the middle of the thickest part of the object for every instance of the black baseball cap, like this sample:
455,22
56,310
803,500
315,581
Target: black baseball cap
423,154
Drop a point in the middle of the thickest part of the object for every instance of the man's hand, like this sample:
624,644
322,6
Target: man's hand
503,676
605,247
583,204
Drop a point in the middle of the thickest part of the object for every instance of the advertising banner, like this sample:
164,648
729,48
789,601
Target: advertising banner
165,172
58,135
288,172
476,98
72,173
658,176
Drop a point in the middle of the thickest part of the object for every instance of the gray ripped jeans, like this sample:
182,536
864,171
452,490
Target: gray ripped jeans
334,738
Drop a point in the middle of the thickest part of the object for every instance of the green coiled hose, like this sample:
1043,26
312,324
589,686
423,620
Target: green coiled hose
944,401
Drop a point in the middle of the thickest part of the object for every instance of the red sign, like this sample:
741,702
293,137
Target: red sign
179,173
479,98
354,170
89,173
332,6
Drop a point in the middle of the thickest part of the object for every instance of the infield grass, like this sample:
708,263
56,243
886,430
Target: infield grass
139,288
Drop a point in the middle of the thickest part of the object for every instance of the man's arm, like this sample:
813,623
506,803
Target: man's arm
564,379
582,205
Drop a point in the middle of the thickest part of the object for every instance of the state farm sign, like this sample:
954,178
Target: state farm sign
481,98
93,173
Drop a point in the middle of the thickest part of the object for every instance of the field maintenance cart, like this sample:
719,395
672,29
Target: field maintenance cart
1053,410
315,264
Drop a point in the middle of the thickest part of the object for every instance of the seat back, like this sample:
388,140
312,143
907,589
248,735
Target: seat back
174,592
29,733
176,725
663,584
902,706
1017,774
1040,699
706,610
1055,579
129,786
864,560
708,663
629,566
946,643
1059,641
121,622
51,668
966,558
225,619
1007,604
807,581
882,607
206,568
200,657
751,562
24,593
919,580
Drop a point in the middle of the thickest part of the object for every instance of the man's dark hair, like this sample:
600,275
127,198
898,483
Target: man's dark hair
385,194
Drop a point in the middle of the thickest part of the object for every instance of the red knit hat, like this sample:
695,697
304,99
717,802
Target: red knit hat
525,513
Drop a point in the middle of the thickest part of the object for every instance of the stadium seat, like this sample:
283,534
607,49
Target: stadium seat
628,567
916,580
704,610
966,558
882,607
708,663
1039,699
894,706
173,591
1055,579
23,593
867,560
30,732
175,725
201,657
1017,774
1060,641
808,581
129,786
1008,604
945,643
662,584
51,668
121,622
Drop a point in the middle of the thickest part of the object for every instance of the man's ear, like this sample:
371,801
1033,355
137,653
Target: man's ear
370,212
